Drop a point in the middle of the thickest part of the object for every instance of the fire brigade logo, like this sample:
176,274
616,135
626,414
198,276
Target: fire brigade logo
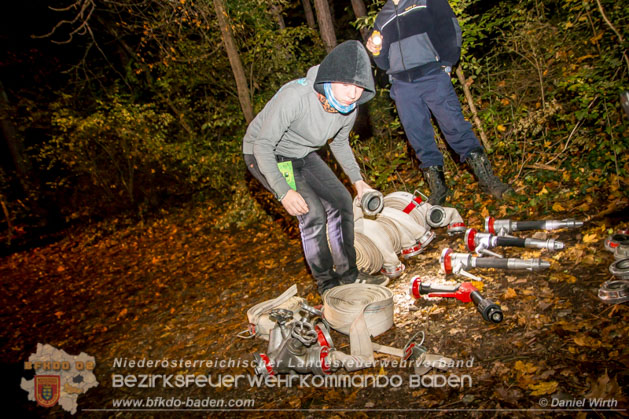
60,378
47,390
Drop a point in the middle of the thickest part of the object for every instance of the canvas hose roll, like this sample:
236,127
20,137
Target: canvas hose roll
368,257
424,214
414,236
384,240
360,311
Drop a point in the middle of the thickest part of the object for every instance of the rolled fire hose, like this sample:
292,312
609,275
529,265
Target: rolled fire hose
378,234
425,214
414,236
360,311
407,203
368,257
399,239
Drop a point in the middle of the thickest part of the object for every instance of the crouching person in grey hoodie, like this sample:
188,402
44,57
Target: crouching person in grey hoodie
280,151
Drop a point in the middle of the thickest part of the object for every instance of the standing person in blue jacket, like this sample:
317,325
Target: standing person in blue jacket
417,42
280,151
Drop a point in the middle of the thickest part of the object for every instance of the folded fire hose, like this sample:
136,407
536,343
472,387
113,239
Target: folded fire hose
305,346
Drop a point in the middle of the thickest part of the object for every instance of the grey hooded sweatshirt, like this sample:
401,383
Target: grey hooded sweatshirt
294,123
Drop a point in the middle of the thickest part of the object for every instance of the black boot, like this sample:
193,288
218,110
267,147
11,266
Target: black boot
437,184
481,166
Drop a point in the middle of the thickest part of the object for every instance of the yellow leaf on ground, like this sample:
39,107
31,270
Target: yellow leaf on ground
510,293
541,389
584,340
563,277
590,238
525,368
557,207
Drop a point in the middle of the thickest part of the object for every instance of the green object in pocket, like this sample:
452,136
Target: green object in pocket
286,168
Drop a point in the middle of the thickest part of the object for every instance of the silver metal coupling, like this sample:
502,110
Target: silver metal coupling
372,202
620,268
614,291
435,216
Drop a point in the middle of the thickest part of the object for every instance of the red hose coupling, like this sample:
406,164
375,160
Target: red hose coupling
393,272
446,260
414,288
489,225
456,228
412,251
470,235
267,364
326,367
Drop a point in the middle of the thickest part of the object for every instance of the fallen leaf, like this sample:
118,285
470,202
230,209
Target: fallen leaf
557,207
510,293
543,388
590,238
585,340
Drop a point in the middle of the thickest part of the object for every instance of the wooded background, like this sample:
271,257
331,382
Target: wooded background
124,107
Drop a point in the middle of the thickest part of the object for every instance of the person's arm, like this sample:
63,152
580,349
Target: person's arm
380,53
385,25
284,109
343,152
447,36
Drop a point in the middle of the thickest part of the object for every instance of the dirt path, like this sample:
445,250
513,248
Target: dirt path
176,288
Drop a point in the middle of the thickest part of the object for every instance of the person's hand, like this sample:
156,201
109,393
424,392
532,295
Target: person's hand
294,203
374,47
361,187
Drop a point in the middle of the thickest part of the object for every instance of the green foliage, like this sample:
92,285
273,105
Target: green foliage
159,117
117,153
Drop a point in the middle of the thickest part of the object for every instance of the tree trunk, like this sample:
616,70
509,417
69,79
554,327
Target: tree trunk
359,11
234,60
310,20
277,14
326,26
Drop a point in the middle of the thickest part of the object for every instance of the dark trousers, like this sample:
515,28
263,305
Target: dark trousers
330,207
416,100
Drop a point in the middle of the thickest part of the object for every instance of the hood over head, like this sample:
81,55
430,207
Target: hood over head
347,63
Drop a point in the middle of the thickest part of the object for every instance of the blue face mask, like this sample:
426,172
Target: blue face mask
327,88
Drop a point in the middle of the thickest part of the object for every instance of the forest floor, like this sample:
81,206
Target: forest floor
177,288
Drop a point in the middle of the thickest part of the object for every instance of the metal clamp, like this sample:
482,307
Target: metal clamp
620,268
614,291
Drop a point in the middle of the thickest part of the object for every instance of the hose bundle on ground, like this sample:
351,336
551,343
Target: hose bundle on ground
406,203
368,256
383,237
424,214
